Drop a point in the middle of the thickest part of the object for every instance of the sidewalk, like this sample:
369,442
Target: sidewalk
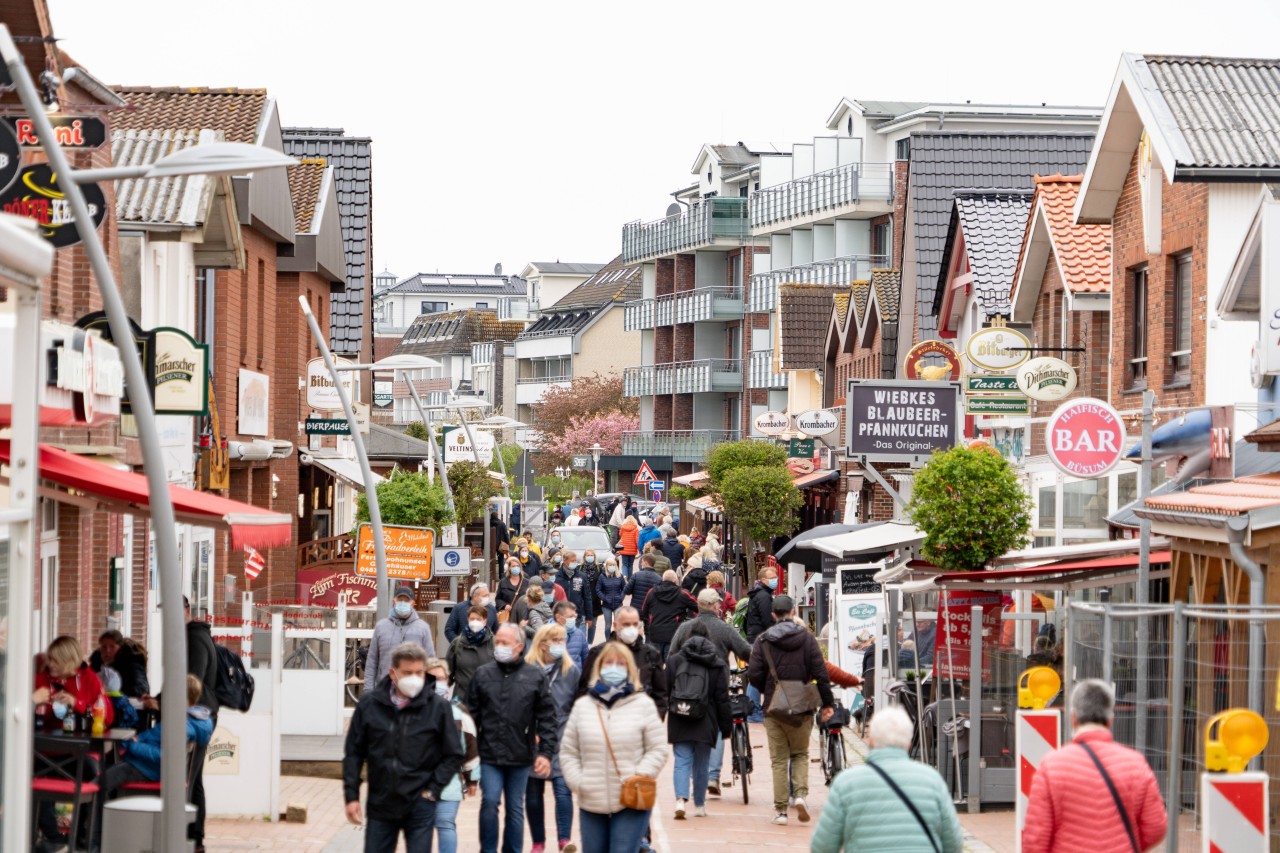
730,825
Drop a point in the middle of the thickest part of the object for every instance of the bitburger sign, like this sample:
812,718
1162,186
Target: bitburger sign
899,421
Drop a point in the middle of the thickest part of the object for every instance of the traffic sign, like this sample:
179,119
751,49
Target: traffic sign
644,475
452,562
657,485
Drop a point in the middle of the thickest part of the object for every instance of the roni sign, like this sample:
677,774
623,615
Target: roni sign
900,421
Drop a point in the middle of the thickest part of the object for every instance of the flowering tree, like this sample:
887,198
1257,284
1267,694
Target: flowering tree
562,405
582,432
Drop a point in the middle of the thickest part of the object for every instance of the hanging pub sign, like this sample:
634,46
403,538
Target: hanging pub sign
933,361
322,393
382,393
997,348
1047,379
772,423
89,367
10,157
1085,437
817,422
179,374
68,131
36,195
900,420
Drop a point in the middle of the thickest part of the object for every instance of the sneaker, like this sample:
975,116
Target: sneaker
538,848
699,811
713,788
802,809
680,805
568,846
780,818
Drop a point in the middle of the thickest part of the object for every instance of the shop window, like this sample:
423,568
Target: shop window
1085,504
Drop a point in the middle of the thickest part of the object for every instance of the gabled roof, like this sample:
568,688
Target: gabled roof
350,157
872,305
459,284
161,201
1082,252
992,223
730,157
453,332
804,312
613,282
305,180
945,161
235,112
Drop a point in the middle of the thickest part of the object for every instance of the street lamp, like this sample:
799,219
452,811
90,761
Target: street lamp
596,450
201,159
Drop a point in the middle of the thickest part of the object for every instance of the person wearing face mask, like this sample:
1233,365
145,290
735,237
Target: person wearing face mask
407,738
614,732
565,614
547,577
547,651
512,587
758,619
609,586
471,650
653,676
591,568
477,596
511,703
576,584
402,625
468,778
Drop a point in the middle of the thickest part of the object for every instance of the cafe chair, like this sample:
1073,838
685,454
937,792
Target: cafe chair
60,769
195,756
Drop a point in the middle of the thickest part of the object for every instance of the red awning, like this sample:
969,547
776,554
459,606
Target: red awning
1075,568
129,492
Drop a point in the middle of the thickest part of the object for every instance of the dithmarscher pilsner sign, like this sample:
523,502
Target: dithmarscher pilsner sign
900,421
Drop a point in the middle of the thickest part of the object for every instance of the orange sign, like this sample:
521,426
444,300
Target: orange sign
408,552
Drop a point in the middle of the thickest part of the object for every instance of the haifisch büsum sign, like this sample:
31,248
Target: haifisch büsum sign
902,421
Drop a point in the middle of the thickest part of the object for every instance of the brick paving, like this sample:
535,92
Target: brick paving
729,825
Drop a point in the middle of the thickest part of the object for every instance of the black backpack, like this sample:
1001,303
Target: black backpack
690,690
234,687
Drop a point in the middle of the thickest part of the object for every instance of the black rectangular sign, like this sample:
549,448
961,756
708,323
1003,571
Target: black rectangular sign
900,420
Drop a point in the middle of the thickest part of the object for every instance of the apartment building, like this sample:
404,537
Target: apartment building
549,282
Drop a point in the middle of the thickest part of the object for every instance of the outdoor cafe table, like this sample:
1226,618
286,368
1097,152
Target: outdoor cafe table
102,745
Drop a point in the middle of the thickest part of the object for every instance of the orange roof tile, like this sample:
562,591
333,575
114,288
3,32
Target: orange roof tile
1083,251
305,181
1236,497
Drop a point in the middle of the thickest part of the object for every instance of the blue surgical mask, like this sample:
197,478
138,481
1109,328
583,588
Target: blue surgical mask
772,583
590,560
404,608
571,626
515,571
614,675
60,710
557,559
556,650
573,567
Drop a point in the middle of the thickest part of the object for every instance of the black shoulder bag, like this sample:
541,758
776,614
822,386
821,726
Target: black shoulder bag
910,805
1115,795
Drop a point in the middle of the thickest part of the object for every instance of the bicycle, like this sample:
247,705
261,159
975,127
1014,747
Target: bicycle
740,739
833,756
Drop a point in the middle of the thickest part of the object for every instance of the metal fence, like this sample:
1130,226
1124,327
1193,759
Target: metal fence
1174,666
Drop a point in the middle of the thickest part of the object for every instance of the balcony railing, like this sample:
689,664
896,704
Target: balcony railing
760,371
762,295
821,192
543,380
701,224
681,445
683,377
703,304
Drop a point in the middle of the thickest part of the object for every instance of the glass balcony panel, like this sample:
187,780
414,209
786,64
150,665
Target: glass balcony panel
701,224
834,188
762,294
760,371
681,445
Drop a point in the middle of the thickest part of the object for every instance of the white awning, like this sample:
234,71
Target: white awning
344,469
882,537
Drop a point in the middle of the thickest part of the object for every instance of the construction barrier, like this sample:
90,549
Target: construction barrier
1236,812
1039,733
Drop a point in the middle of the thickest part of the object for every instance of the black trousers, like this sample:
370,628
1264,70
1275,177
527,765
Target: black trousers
195,830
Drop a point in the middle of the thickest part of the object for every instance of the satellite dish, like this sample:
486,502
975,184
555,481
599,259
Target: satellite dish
674,209
497,269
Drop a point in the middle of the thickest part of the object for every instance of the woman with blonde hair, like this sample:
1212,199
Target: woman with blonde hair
609,587
613,734
548,653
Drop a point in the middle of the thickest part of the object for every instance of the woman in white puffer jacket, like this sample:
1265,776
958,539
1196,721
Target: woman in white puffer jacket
613,732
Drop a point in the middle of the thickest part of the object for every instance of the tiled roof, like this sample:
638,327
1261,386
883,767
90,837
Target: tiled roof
841,301
1266,437
351,160
1236,497
804,313
1227,110
565,268
166,201
462,284
945,161
453,332
1083,251
385,443
887,286
235,112
305,181
993,223
733,155
871,304
614,282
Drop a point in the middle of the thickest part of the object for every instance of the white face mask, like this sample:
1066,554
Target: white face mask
503,654
629,634
476,626
442,689
486,601
410,685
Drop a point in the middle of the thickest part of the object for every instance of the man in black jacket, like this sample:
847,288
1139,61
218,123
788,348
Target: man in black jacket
408,739
642,581
671,547
664,610
515,719
626,630
202,662
789,652
577,586
478,597
759,618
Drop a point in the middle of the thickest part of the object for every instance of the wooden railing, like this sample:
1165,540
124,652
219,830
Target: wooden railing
321,553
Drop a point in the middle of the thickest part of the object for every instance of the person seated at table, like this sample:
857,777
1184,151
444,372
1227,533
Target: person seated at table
127,657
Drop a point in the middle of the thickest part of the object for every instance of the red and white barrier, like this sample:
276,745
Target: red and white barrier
1236,810
1038,734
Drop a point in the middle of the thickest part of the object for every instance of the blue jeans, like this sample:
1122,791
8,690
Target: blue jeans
608,620
716,762
619,832
591,629
692,758
533,807
380,836
757,712
627,560
496,785
447,825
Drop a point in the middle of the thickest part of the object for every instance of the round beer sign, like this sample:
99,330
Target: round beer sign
772,423
1085,437
998,348
816,422
1047,379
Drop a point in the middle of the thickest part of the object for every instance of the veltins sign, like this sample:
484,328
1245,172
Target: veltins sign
1047,379
181,373
772,423
817,422
902,420
36,195
408,552
998,348
933,361
1085,437
322,394
458,449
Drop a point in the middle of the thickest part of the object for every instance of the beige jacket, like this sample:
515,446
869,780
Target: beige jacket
639,741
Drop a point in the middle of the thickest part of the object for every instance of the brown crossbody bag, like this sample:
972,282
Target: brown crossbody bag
638,792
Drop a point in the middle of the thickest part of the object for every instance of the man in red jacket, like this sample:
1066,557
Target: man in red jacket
1073,806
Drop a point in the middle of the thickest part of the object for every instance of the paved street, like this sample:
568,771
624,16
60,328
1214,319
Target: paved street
729,824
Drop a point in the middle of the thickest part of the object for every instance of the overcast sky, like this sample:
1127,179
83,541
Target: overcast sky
511,132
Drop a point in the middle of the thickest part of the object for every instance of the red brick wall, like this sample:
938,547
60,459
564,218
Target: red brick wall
1185,217
901,177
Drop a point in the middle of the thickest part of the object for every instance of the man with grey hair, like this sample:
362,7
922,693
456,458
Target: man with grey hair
1093,788
670,544
891,802
478,595
664,610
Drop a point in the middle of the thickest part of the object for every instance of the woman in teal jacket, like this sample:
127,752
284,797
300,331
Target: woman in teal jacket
865,813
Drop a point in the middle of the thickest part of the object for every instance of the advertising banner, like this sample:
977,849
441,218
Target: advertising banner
955,630
408,552
253,410
858,614
900,421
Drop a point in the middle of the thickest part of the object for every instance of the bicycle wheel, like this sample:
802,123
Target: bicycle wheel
742,760
835,756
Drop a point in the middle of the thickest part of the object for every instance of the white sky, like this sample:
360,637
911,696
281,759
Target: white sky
510,132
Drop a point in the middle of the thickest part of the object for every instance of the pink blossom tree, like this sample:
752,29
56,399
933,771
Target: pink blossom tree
582,432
